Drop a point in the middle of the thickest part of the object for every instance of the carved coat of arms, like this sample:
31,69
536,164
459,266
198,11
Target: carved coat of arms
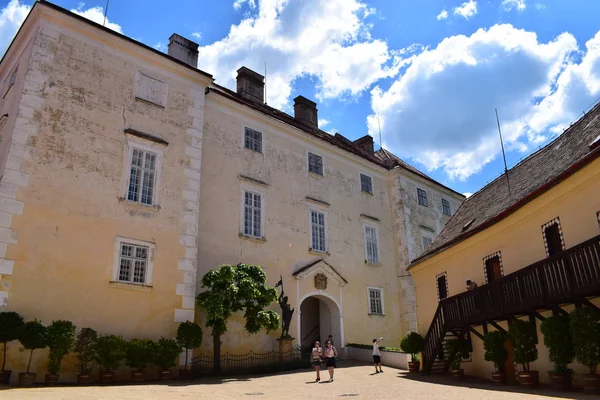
320,281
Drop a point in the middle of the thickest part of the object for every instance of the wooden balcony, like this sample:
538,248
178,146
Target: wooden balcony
570,277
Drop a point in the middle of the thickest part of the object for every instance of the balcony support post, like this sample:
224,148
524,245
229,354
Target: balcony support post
532,321
498,327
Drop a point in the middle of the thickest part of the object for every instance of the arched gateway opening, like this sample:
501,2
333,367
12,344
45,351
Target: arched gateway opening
319,318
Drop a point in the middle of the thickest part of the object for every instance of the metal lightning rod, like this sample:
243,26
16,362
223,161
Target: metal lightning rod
503,154
105,12
379,125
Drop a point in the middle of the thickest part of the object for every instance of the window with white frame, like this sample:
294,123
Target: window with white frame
253,140
422,195
371,244
317,231
446,207
133,261
315,164
375,300
253,214
366,183
142,176
426,241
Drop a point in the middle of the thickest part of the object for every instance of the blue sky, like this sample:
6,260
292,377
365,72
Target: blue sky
429,72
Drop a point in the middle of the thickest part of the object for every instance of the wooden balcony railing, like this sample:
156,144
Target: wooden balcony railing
564,278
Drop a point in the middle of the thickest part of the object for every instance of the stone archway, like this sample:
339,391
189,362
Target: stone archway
319,318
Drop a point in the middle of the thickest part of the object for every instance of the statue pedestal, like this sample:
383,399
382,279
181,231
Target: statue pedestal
286,350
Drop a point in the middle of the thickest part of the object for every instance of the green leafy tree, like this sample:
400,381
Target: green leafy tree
521,335
167,351
85,349
139,353
32,336
558,340
109,351
412,343
493,345
237,288
60,340
458,349
585,327
189,336
10,324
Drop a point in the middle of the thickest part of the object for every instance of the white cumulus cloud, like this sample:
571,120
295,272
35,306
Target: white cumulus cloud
96,14
442,15
328,40
514,5
323,122
466,9
440,112
197,35
11,18
237,4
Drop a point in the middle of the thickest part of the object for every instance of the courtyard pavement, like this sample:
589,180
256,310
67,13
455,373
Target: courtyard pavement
352,380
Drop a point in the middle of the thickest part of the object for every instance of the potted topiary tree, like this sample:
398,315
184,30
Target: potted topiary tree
10,324
109,351
521,335
585,330
60,340
32,336
138,354
493,346
412,343
558,340
457,350
167,351
189,336
85,349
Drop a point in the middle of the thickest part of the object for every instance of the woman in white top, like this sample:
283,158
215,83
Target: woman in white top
377,355
330,355
316,358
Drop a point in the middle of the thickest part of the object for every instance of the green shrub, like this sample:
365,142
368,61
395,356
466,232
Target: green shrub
167,351
457,350
521,335
585,328
85,349
412,343
370,347
60,340
10,324
493,345
139,353
109,351
558,340
189,336
32,335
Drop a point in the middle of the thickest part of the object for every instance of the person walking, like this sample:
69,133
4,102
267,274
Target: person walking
316,358
330,355
377,355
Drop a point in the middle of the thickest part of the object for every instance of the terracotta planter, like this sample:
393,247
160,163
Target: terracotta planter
165,375
499,378
27,378
138,376
457,373
561,381
185,375
529,379
107,377
83,379
414,366
591,383
51,379
5,377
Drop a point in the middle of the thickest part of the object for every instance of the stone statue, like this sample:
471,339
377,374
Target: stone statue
286,311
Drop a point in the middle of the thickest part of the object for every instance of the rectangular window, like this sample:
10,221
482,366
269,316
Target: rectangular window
375,301
142,177
252,214
422,195
315,164
317,226
371,245
446,207
553,240
253,140
426,241
366,183
133,263
442,286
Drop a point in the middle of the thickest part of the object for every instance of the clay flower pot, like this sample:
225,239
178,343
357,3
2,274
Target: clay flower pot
5,376
84,379
51,379
529,379
591,383
107,377
561,381
165,375
27,378
137,376
414,366
499,378
457,373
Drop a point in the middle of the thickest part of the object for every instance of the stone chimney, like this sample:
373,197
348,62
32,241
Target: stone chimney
251,85
183,49
366,143
305,111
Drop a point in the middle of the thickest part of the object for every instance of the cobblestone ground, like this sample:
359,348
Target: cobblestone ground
351,380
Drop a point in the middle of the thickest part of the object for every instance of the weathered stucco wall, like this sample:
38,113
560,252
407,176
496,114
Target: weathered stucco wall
68,170
519,240
282,166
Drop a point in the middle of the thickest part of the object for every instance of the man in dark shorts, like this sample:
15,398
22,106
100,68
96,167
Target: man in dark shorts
377,355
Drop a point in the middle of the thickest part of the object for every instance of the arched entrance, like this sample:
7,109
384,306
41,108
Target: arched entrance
319,317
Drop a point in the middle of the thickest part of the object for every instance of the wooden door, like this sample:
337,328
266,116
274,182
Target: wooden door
493,269
509,366
553,241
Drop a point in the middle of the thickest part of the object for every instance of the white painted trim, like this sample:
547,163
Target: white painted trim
298,313
147,146
339,306
360,182
119,240
377,241
369,300
321,266
314,208
261,191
